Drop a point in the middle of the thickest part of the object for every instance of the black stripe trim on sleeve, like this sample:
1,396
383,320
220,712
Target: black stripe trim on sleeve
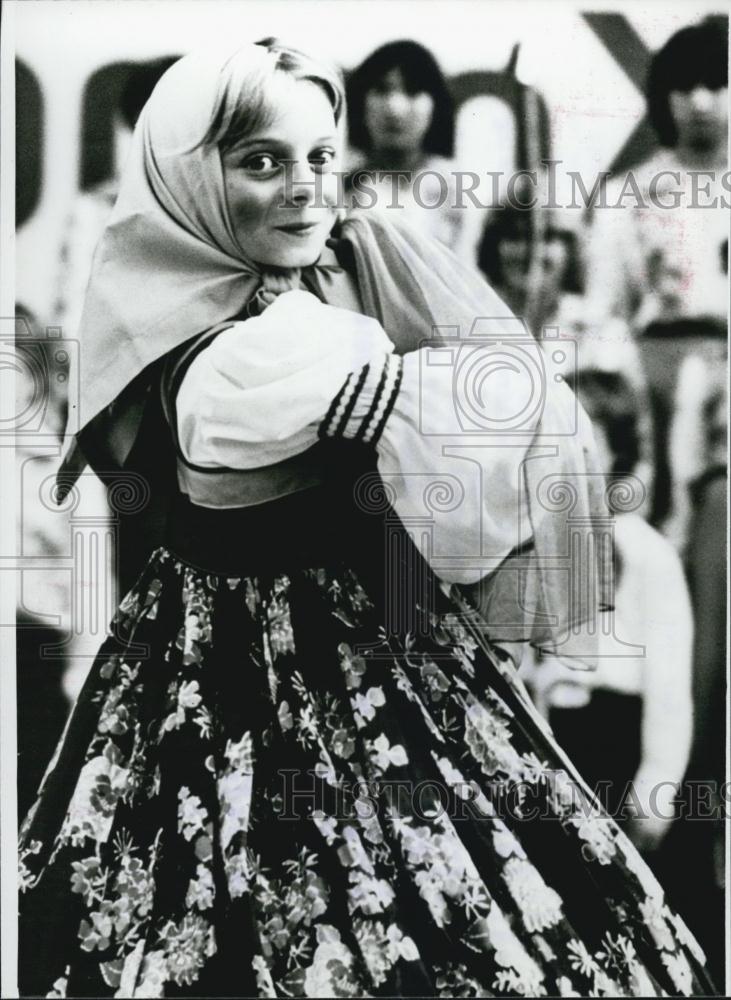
365,423
339,431
391,401
323,430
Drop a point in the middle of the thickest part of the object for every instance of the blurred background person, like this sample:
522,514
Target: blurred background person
86,221
505,258
629,723
666,264
696,437
401,118
540,273
43,594
91,209
664,269
695,851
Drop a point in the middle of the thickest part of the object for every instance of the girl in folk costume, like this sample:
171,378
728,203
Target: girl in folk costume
303,764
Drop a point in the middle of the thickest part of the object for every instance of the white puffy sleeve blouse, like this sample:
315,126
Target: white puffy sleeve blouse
267,388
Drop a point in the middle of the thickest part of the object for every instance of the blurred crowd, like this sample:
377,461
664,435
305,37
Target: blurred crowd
642,292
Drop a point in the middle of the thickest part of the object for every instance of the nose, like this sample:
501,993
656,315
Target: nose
397,103
301,183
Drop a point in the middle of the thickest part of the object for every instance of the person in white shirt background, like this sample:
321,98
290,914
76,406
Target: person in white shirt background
629,722
658,255
662,257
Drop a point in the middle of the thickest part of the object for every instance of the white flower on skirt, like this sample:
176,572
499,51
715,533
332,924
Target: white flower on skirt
331,960
539,904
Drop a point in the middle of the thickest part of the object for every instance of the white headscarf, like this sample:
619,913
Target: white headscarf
168,265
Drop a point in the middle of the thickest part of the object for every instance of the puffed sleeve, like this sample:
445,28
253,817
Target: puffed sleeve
256,395
267,388
461,501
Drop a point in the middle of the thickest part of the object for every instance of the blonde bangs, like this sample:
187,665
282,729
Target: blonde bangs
244,103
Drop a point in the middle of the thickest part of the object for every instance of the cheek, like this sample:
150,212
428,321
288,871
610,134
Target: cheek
372,111
248,202
555,262
330,190
422,109
720,106
679,106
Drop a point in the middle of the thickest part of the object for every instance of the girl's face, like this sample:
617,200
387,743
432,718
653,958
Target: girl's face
396,119
515,264
280,187
701,117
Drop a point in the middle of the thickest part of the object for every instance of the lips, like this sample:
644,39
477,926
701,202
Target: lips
298,228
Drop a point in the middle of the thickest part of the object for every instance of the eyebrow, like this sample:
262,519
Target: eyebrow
268,143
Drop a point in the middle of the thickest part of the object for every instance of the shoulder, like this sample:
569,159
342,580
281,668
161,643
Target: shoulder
374,228
396,232
640,176
643,547
440,165
662,161
372,220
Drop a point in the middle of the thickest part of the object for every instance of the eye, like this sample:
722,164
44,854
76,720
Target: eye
322,159
260,163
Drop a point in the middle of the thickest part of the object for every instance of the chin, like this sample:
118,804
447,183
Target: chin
300,257
292,251
394,144
300,254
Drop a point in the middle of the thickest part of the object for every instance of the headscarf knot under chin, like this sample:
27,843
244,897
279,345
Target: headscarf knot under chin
273,284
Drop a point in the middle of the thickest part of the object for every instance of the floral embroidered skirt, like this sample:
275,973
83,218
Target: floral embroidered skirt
261,792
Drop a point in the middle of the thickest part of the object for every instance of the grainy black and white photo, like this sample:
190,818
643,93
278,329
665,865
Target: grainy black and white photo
363,454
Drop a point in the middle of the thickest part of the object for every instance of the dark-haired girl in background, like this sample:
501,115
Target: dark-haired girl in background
91,208
401,119
504,257
661,265
667,264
